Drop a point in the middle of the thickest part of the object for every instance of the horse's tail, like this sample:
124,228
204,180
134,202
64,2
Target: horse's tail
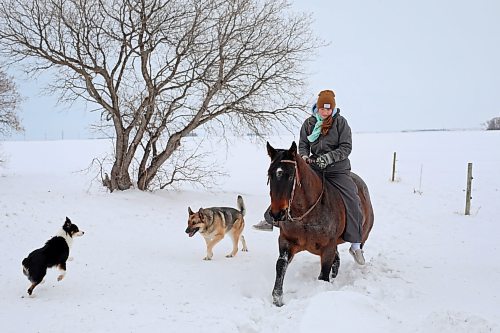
367,204
241,205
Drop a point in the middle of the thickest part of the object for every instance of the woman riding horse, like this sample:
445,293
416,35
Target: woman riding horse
327,135
310,213
325,144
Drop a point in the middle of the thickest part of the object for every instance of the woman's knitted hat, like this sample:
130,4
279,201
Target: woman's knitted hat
326,100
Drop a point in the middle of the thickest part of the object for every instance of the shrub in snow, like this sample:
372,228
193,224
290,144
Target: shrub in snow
493,124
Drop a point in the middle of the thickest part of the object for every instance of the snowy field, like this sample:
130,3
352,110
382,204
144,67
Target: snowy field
429,267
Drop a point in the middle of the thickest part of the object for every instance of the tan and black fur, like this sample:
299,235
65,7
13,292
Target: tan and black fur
215,222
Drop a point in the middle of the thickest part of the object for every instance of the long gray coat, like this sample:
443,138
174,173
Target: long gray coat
337,143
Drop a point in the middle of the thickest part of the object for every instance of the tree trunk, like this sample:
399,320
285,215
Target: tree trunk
145,178
120,178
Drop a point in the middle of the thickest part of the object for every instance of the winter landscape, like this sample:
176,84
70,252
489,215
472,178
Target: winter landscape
85,83
430,268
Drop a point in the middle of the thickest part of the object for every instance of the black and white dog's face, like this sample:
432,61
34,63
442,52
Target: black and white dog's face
71,229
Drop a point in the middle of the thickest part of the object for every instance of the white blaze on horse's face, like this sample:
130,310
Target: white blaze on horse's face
279,173
282,186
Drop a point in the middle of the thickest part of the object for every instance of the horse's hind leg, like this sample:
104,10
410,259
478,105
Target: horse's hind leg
336,265
327,260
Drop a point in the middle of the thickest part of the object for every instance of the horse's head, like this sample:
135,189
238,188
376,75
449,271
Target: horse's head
281,177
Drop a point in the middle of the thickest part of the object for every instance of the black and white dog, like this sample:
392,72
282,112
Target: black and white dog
54,253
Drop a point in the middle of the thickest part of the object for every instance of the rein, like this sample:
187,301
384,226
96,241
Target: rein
297,181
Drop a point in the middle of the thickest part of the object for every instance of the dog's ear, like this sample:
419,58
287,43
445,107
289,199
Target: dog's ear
201,214
190,212
68,221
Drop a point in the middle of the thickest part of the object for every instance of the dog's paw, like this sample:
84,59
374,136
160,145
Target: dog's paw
207,258
244,249
230,255
60,277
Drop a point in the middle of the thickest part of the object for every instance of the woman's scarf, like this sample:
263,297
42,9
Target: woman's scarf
322,126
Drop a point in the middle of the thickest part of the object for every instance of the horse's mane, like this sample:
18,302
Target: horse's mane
306,170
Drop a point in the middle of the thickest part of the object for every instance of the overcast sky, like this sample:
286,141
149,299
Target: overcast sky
394,65
398,64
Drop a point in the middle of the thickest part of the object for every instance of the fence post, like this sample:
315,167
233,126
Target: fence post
469,189
393,167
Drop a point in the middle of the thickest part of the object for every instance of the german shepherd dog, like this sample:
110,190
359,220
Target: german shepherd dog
213,223
54,253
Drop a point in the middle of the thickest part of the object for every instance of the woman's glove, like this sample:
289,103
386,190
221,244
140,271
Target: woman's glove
324,160
307,159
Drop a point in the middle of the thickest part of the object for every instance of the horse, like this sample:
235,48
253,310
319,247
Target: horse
310,214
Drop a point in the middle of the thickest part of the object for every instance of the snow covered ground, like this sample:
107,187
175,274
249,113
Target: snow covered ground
429,267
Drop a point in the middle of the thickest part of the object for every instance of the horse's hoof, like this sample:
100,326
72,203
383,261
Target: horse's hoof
327,279
278,303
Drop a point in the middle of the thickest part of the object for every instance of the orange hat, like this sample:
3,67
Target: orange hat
326,100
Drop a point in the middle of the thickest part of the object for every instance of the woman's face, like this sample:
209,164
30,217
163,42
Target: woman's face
325,113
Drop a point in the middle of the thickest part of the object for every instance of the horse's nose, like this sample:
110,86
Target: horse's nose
278,216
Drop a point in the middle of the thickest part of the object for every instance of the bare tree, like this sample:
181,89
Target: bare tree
9,104
160,69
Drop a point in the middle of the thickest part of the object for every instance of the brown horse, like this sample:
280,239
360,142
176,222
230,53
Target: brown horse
310,213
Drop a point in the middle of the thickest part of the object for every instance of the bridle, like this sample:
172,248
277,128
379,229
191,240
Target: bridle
296,180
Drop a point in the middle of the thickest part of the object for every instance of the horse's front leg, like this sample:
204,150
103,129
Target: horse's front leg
327,259
281,266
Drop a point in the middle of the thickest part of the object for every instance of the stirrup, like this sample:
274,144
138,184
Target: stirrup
263,226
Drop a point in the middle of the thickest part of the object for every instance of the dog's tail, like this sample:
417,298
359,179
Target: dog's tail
241,205
25,264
